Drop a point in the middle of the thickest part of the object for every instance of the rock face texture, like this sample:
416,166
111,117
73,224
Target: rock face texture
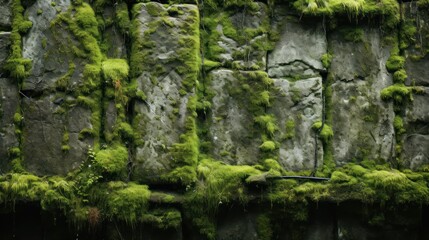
416,120
166,44
172,116
237,39
9,104
299,101
5,14
298,52
248,92
362,122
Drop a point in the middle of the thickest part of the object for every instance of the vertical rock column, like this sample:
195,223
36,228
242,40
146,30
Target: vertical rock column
9,98
362,122
416,120
238,89
295,66
164,66
60,100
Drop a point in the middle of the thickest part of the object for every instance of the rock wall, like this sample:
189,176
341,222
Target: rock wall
168,111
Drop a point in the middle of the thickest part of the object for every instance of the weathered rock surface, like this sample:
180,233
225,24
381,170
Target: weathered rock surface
4,49
51,49
416,139
232,131
241,38
5,14
297,106
362,122
299,50
9,104
417,64
160,119
45,123
415,151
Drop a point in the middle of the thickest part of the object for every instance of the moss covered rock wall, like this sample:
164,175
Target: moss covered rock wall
168,114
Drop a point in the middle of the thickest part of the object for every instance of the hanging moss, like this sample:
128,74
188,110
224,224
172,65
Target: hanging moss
387,10
220,184
127,202
163,218
264,227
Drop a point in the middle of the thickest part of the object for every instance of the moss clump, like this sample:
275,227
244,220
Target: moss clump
220,184
127,202
397,92
326,60
268,146
400,76
15,65
290,129
85,18
25,187
123,18
186,175
113,161
163,218
268,123
395,63
387,10
115,69
398,124
326,133
17,119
